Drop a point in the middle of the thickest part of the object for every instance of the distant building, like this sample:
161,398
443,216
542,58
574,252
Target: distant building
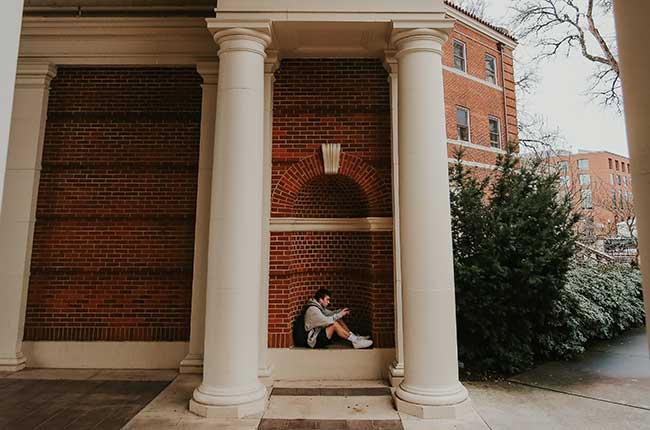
602,185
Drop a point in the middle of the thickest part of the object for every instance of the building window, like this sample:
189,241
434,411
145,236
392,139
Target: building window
609,162
564,181
618,179
583,164
616,163
627,199
586,199
462,124
459,56
620,197
495,132
563,165
584,179
614,199
490,69
611,178
625,180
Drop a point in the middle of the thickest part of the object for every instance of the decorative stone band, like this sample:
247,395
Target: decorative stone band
332,224
331,158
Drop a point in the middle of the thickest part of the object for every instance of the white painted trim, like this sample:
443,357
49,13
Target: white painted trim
472,77
334,364
332,224
453,54
496,69
480,27
498,120
472,164
469,123
116,41
475,146
105,355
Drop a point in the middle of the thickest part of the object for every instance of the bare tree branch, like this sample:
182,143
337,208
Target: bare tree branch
562,26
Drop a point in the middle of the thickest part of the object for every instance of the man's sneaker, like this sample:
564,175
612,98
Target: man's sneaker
362,343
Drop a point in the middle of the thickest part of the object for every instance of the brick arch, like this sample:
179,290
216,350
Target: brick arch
375,188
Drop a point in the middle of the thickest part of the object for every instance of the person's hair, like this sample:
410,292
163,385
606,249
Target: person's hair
321,293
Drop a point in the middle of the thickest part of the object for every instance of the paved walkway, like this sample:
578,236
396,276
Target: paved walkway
607,389
76,400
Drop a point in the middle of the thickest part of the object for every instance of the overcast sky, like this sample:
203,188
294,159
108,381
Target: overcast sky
560,97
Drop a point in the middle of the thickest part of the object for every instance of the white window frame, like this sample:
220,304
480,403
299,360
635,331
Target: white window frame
585,160
584,178
563,165
586,199
469,128
611,179
496,71
494,118
453,45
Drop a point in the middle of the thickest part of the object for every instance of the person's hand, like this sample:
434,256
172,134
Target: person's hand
344,312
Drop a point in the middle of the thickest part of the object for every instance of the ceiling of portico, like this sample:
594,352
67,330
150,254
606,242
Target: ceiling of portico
331,39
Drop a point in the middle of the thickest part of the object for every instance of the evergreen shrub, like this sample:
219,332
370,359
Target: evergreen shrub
519,299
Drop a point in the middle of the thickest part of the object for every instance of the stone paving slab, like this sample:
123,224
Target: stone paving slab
72,404
303,424
345,392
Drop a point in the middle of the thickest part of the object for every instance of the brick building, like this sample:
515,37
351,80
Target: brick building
602,184
169,203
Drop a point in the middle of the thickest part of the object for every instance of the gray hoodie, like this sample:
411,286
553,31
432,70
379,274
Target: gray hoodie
316,318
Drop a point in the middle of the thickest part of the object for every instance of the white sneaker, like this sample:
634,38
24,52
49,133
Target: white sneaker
362,343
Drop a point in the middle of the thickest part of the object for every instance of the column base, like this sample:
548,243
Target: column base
193,363
13,364
252,409
446,402
265,375
228,403
438,412
395,374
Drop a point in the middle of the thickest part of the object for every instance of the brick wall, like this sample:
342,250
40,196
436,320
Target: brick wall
114,236
481,100
342,101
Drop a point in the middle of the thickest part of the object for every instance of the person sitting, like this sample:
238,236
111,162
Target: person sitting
321,323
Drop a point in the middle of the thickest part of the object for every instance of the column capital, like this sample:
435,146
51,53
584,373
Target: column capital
34,75
272,61
251,36
209,71
390,61
406,40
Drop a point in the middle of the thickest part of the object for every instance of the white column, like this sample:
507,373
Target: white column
12,13
396,369
193,362
17,215
230,384
633,41
265,368
430,388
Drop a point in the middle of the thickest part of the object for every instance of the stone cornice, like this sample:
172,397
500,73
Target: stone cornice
116,41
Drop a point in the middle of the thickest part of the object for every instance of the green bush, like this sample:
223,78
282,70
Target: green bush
513,239
597,302
519,298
